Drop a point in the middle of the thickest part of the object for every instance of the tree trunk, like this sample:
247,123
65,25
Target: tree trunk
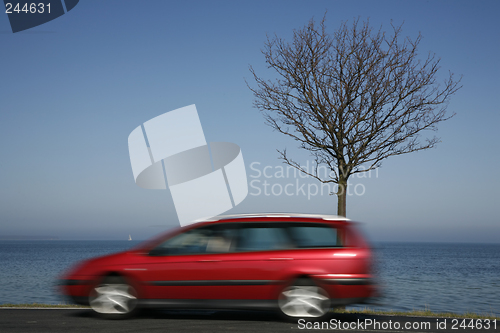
341,210
341,197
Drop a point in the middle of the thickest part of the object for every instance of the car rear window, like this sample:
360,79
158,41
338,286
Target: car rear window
286,235
307,236
261,238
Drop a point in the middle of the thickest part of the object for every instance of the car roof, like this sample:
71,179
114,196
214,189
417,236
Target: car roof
236,217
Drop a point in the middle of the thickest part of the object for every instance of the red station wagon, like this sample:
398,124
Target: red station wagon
300,264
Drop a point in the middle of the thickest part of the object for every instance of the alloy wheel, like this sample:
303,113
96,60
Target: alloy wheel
304,301
113,299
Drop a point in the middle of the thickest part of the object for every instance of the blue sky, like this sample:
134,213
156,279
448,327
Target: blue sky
74,88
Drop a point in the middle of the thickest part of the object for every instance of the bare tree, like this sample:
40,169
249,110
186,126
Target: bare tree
352,98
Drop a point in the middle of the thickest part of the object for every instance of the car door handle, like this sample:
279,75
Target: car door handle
209,260
276,259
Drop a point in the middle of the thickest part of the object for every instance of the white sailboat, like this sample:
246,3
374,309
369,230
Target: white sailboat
129,237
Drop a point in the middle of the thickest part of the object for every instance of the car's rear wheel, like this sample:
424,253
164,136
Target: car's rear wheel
113,298
304,299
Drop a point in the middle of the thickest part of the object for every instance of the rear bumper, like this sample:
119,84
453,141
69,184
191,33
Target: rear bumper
350,281
349,288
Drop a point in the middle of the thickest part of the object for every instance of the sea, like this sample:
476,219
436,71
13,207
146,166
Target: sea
441,277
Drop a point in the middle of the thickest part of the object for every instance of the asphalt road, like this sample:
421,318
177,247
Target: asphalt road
66,320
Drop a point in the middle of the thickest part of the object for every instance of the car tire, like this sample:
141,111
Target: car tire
113,298
304,299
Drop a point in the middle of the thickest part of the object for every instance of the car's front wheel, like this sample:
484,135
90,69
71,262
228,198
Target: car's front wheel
113,298
304,299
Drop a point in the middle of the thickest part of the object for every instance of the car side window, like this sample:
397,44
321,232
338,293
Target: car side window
310,236
261,238
212,239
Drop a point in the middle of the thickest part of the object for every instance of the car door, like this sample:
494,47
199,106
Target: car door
257,263
192,265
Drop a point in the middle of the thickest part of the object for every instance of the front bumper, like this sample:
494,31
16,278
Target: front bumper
76,289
